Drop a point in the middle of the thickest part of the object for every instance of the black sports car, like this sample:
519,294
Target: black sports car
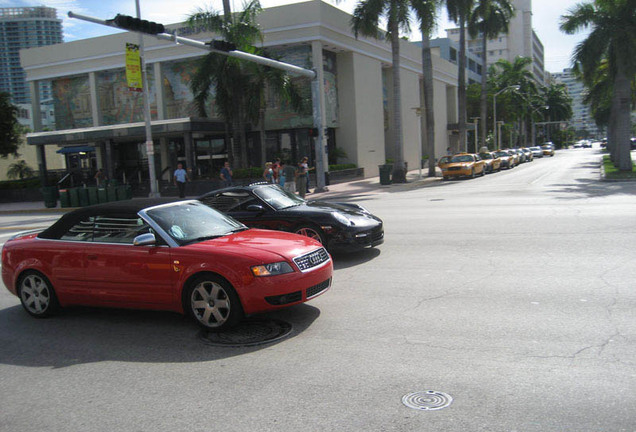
341,227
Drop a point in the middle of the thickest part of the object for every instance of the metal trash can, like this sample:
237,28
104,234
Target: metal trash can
83,196
121,192
111,192
50,196
102,195
74,197
385,174
65,198
92,195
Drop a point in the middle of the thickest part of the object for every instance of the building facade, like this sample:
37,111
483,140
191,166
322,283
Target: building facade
20,28
95,112
521,40
582,120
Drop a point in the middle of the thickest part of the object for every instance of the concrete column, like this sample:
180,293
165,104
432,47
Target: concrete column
96,115
320,118
165,157
34,88
161,108
108,147
189,154
41,156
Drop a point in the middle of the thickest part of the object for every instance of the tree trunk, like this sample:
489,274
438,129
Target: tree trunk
399,170
461,90
427,81
484,92
622,94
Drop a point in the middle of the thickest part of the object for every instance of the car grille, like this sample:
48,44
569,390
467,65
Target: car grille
455,168
311,260
317,289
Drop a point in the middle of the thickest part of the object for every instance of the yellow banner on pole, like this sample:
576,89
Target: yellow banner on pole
133,68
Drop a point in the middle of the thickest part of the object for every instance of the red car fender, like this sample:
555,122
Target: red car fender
187,270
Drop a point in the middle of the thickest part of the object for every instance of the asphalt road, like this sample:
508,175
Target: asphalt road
513,293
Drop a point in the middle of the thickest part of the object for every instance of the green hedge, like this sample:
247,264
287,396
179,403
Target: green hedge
341,167
21,184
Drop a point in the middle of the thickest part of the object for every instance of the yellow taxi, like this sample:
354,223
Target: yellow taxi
492,161
548,150
463,165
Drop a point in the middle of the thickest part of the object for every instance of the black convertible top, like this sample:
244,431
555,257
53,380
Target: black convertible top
122,208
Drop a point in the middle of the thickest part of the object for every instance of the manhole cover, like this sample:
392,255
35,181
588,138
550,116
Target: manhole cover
429,400
248,333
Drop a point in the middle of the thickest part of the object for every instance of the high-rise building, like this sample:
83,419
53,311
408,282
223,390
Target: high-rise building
582,119
521,40
25,27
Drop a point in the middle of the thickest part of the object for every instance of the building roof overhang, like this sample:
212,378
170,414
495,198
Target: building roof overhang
126,132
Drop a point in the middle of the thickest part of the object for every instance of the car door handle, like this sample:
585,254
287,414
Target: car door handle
91,257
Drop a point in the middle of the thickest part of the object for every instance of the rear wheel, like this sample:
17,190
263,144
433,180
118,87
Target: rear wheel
213,303
37,295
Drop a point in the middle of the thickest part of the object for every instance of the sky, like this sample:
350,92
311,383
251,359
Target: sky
546,15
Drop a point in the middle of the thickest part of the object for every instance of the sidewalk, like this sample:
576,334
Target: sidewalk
345,191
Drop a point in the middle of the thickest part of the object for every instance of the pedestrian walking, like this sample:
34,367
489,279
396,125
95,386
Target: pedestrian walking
268,174
226,175
301,177
281,174
100,178
276,169
290,178
180,178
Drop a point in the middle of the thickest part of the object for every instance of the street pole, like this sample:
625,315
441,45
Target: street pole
150,147
499,123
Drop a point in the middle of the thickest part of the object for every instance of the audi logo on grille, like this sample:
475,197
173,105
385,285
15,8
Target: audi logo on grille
315,259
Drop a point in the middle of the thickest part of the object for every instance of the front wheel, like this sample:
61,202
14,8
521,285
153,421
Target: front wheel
311,232
472,173
213,303
37,295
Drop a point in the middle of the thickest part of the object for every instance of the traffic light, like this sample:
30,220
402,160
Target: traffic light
127,22
313,132
221,45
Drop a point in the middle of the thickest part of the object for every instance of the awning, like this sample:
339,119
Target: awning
77,149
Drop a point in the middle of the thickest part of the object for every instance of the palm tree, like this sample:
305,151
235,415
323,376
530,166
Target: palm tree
517,73
558,102
459,12
365,20
613,26
426,13
9,126
489,18
20,170
238,86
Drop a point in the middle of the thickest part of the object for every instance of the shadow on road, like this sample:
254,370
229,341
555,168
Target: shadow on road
343,261
587,188
89,335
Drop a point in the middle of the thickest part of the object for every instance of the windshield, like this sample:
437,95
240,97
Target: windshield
465,158
189,222
485,155
278,198
501,154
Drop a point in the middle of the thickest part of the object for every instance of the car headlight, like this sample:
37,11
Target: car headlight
272,269
341,218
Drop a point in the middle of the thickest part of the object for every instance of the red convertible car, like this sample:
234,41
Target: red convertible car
148,254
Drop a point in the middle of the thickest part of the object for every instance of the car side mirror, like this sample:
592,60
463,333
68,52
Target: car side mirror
255,208
145,240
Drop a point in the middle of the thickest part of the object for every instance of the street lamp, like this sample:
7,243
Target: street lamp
494,107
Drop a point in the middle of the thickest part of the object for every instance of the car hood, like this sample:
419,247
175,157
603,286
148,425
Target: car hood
262,245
